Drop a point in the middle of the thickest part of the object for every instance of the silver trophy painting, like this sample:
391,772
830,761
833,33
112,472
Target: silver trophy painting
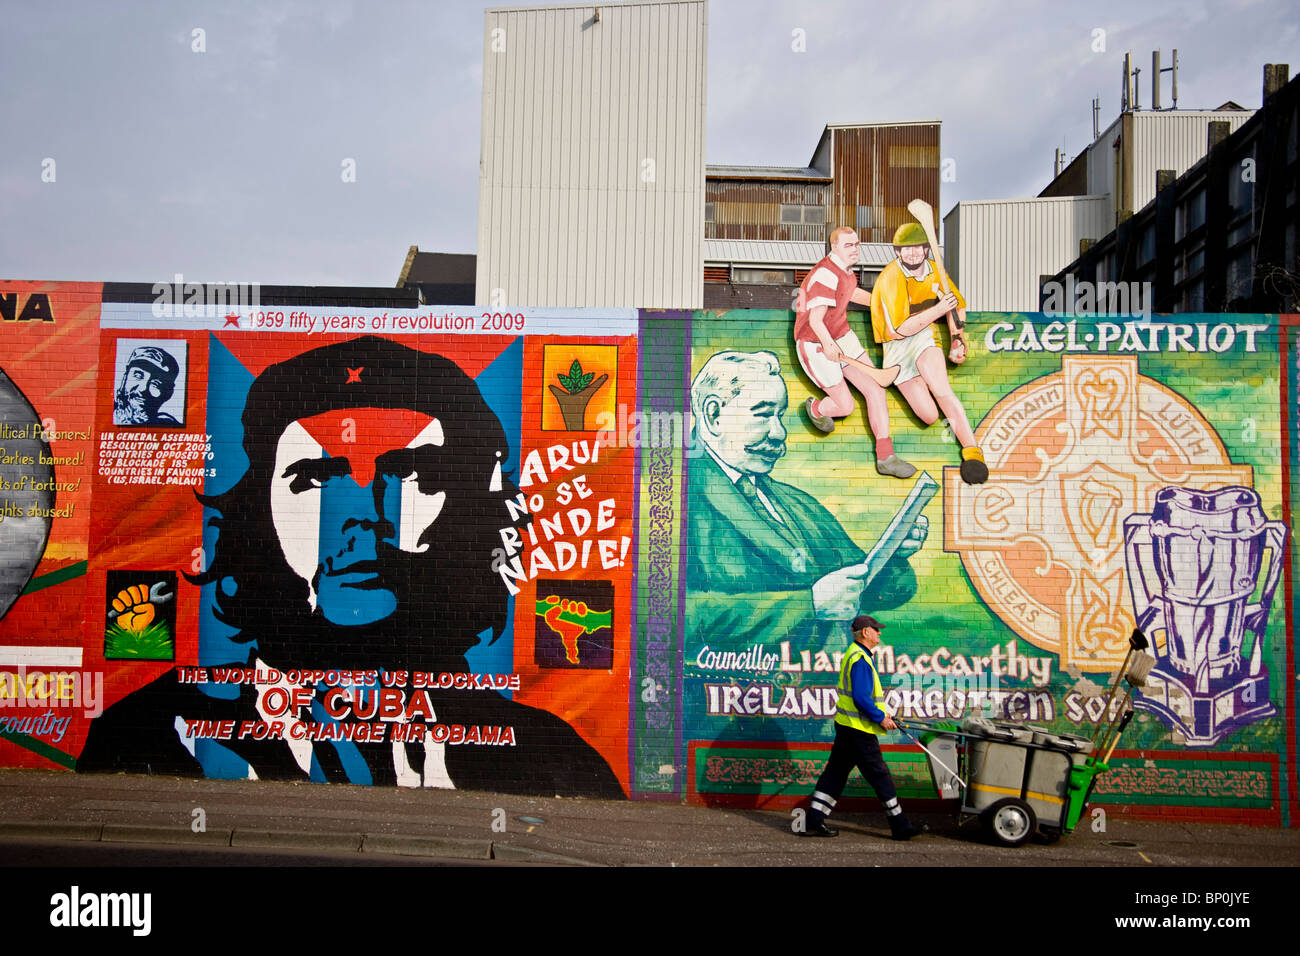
1194,565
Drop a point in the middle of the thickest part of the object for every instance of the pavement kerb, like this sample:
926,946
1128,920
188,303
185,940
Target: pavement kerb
519,854
162,835
447,848
89,832
291,839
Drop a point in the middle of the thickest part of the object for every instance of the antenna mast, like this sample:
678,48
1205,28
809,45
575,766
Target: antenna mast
1156,70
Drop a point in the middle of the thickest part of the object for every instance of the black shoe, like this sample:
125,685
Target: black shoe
974,471
819,830
905,829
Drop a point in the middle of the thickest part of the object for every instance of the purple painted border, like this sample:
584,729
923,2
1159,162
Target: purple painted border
687,350
644,368
634,599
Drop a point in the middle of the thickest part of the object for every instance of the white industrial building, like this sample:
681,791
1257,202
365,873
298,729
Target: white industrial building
999,249
591,178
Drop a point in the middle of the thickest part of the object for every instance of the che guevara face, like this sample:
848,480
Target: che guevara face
355,497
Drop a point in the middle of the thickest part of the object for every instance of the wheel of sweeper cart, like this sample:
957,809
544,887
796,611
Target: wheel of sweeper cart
1010,821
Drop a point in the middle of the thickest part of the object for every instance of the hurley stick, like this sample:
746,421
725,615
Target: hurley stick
922,213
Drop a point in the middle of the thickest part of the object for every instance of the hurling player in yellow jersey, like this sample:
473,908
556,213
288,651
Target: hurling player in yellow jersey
906,301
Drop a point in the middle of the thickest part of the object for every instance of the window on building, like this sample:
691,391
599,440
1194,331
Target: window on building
813,215
1240,276
1241,183
1289,259
763,276
1190,214
710,212
865,218
1189,274
1292,143
1103,271
1189,262
1241,231
1146,249
1289,248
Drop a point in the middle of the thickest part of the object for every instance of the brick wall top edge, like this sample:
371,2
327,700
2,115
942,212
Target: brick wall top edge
373,296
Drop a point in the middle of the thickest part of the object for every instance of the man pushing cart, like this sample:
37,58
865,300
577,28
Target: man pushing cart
1017,780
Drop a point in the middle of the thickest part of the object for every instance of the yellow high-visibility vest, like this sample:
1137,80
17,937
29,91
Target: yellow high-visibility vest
846,712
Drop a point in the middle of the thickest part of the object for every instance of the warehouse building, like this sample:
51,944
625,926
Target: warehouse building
1221,236
999,250
591,178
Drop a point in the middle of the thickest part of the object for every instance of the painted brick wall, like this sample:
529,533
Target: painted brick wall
1025,592
442,547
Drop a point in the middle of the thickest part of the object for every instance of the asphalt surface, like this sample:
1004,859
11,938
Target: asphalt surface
337,822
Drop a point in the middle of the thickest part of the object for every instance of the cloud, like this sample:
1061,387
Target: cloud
227,162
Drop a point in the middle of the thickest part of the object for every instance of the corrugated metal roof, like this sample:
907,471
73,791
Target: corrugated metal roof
927,122
765,172
763,251
767,252
1028,200
528,8
877,253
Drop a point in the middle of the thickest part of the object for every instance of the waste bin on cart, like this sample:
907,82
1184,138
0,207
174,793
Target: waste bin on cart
1020,779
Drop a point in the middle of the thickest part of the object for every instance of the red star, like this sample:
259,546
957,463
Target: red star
232,320
354,374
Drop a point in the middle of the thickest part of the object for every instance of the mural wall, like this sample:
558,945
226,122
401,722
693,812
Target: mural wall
1014,597
316,553
609,554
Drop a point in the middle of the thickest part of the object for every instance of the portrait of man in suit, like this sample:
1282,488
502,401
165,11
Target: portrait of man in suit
767,562
358,541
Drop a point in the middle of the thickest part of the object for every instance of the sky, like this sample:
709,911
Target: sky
131,154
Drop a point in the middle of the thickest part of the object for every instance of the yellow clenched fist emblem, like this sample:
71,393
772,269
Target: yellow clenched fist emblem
133,608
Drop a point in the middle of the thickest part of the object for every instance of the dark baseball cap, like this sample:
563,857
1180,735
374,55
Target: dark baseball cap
149,355
863,621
